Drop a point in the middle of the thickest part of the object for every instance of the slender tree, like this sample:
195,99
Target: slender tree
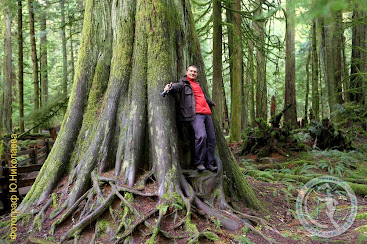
307,85
236,103
290,115
64,51
217,61
34,57
315,76
20,66
43,57
261,87
8,82
117,123
249,84
358,57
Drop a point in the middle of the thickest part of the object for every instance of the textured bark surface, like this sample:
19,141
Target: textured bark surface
217,61
43,59
236,102
64,56
315,75
261,87
7,101
118,124
358,58
290,116
34,57
20,67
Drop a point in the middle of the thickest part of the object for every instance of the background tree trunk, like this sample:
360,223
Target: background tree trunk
250,81
315,75
43,58
358,56
290,115
34,58
236,103
261,89
20,66
8,82
64,51
307,86
217,61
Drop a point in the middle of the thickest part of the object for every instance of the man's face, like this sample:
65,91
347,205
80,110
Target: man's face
192,72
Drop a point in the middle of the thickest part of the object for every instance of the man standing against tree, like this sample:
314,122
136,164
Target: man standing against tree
194,108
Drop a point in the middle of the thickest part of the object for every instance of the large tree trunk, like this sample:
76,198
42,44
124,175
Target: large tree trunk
236,102
34,58
20,66
7,101
117,122
217,61
290,115
315,75
261,88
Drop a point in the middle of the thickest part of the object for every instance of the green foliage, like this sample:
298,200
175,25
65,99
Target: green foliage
54,200
211,236
103,226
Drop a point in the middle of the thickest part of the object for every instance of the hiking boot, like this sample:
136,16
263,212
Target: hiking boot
212,168
200,167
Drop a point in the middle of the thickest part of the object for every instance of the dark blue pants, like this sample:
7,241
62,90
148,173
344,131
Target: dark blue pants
204,139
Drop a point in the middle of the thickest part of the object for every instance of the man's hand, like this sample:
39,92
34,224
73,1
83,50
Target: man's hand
168,87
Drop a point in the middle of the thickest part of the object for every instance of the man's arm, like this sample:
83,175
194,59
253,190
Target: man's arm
173,87
210,102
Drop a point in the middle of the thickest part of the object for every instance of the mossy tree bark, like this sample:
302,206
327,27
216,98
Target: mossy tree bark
129,50
34,58
20,66
290,116
218,96
315,75
7,99
261,87
43,58
236,60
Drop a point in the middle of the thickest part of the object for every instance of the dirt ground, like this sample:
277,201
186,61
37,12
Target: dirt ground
278,197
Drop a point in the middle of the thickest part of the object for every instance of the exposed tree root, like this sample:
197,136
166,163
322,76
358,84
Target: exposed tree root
76,229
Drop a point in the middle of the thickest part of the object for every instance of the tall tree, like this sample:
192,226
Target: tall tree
43,57
332,57
290,115
129,51
34,57
20,66
8,71
64,51
71,20
315,75
236,103
359,57
261,87
218,96
250,81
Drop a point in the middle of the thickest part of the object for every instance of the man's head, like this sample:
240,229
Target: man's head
192,72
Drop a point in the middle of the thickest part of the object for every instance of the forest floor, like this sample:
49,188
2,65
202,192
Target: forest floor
277,194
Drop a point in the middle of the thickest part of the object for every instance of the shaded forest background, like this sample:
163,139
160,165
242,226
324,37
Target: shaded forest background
310,55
